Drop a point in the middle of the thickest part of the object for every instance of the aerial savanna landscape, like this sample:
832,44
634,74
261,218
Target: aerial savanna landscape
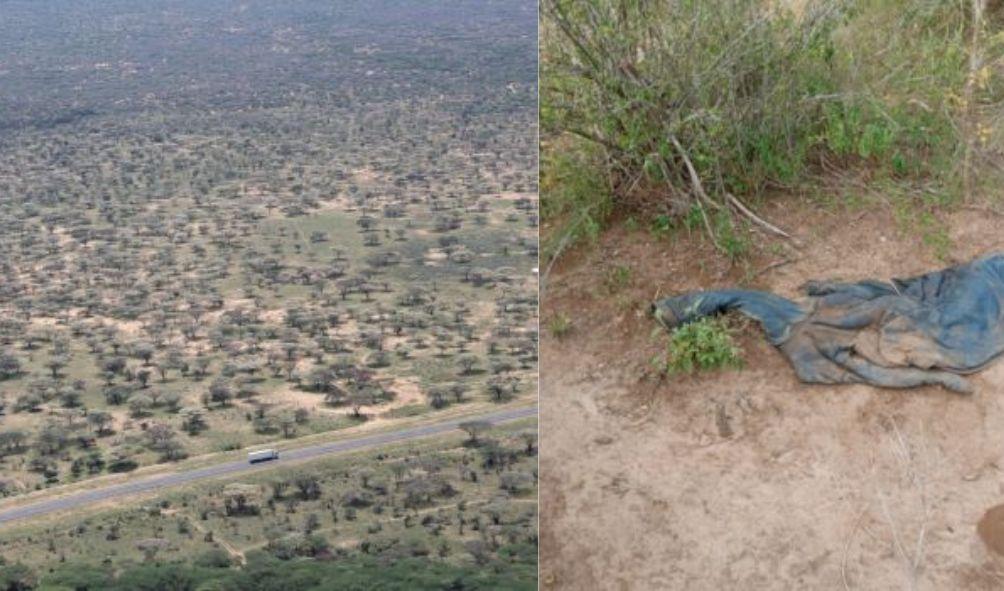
228,227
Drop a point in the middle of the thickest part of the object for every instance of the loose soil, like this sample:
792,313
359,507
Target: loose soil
749,479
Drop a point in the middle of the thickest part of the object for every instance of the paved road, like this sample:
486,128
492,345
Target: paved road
76,500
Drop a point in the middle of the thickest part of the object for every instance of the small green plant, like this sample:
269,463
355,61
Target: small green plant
734,241
617,278
935,236
560,325
662,225
705,344
860,130
694,218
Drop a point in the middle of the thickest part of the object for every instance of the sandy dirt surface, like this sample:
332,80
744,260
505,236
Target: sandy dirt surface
406,392
748,479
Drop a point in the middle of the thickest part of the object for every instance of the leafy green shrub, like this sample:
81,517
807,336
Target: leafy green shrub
659,87
576,193
122,463
214,558
515,571
848,131
686,106
703,345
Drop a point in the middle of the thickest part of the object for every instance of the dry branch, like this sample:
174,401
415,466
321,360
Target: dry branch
757,219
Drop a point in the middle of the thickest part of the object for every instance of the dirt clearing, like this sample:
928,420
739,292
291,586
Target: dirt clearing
748,479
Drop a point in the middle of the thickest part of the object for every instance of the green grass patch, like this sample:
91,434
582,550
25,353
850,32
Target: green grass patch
559,325
705,344
408,410
617,278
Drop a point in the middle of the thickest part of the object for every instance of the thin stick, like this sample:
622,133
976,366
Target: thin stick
757,219
774,266
702,197
693,178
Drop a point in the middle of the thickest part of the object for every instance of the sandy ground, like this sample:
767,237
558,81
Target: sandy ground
748,479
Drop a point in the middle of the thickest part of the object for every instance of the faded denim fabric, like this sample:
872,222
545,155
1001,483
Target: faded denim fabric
899,334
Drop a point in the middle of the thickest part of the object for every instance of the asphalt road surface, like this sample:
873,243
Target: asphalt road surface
161,481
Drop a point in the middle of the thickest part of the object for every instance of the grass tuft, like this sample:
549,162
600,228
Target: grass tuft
560,325
705,344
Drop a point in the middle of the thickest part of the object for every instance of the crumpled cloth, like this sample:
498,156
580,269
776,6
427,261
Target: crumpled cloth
911,332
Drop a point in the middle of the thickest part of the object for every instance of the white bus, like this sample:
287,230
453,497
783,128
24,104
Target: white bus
262,456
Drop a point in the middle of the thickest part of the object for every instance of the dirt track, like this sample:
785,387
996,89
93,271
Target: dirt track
748,479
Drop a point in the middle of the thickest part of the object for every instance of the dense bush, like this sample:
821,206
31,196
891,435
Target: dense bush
264,573
726,86
689,108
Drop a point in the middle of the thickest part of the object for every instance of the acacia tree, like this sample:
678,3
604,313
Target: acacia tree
220,392
56,363
474,429
144,351
287,424
193,420
468,364
309,486
10,366
163,439
140,405
100,420
359,397
150,547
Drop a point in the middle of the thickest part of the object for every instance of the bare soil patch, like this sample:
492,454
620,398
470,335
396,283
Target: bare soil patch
749,479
